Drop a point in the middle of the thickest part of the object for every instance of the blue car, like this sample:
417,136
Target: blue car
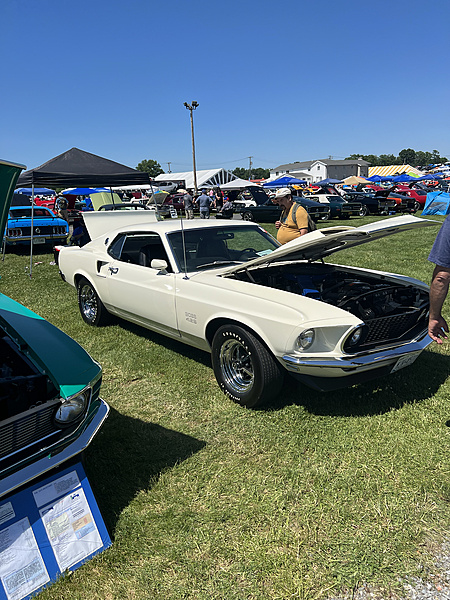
47,227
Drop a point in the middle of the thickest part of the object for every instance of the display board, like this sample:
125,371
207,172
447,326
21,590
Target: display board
46,529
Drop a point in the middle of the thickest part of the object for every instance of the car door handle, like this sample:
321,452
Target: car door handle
113,270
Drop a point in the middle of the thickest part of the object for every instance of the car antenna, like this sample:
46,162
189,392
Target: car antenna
183,241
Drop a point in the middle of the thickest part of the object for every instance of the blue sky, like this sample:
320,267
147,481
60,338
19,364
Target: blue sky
279,81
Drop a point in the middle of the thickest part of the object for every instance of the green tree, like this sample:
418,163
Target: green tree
240,172
387,159
370,158
407,156
151,167
423,158
260,173
437,158
257,173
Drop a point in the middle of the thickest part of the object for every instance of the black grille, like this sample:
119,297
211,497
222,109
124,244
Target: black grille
18,433
390,328
393,328
387,203
313,210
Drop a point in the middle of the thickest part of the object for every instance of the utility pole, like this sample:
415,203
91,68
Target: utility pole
168,164
191,107
250,167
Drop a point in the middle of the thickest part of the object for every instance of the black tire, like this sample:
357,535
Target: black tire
364,211
325,217
245,370
417,206
91,307
247,216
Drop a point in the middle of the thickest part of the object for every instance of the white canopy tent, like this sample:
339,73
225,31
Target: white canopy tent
125,188
238,184
205,179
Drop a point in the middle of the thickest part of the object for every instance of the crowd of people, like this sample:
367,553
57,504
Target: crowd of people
205,200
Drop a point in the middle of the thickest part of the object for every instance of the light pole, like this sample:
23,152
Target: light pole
191,107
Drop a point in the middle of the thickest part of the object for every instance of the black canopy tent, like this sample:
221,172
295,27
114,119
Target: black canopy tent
75,168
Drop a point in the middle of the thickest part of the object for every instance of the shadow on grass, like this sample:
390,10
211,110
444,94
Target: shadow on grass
413,384
24,250
128,456
171,344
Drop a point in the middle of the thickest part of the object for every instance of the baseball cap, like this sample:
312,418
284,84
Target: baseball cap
281,193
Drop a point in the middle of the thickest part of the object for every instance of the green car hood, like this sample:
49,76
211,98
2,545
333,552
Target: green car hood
9,173
44,344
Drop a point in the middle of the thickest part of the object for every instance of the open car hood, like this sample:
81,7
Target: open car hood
321,243
9,173
100,198
103,222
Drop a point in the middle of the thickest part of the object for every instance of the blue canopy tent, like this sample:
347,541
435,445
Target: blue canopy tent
37,191
379,178
404,178
328,181
83,191
428,177
283,182
437,203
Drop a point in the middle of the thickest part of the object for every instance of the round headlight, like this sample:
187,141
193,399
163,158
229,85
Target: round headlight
356,336
306,339
72,408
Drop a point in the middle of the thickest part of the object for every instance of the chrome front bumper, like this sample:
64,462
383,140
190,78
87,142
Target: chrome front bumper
343,366
43,465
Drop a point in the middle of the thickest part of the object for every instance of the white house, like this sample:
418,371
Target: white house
316,170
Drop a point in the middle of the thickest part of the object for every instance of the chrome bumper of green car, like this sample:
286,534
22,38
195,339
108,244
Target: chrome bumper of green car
52,461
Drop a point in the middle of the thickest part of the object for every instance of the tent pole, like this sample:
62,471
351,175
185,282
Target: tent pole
32,230
3,250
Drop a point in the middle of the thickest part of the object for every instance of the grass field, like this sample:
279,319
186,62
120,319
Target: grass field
306,499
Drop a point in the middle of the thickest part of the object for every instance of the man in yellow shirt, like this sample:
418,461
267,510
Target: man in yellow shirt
293,220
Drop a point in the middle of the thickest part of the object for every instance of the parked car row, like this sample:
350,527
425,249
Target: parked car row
255,205
339,207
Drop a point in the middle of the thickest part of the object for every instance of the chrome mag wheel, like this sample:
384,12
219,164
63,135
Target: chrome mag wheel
236,366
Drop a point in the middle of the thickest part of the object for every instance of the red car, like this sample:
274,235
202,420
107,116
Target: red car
49,202
418,194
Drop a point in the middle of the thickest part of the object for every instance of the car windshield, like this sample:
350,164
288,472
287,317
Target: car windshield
204,248
25,213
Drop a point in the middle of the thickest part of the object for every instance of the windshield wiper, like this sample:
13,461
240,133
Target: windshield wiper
220,262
